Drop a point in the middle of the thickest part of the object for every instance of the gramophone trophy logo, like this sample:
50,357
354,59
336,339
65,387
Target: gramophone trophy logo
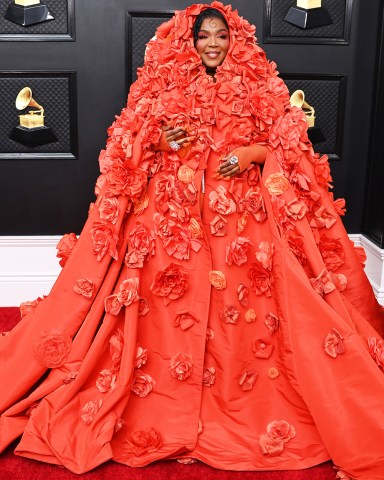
298,100
31,131
27,12
308,14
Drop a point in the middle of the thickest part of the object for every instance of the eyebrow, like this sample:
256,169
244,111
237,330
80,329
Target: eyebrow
217,31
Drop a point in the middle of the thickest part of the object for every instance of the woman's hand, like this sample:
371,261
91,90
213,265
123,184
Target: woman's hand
228,169
173,139
239,159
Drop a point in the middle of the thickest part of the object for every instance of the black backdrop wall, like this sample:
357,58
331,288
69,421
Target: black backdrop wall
81,64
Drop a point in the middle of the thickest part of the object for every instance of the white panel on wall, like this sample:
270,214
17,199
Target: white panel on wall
28,268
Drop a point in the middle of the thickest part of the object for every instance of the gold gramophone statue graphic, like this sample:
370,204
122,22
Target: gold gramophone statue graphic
27,12
298,100
308,14
31,131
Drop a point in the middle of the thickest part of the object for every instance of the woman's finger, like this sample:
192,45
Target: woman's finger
175,134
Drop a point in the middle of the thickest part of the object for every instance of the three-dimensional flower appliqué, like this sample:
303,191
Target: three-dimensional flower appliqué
141,442
51,348
142,384
181,366
217,279
106,381
84,287
333,344
184,319
248,379
170,283
209,376
262,348
90,409
127,294
279,432
376,349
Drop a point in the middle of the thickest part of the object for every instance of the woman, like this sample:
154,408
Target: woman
233,306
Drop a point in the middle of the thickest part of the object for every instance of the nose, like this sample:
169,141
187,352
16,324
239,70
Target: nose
213,41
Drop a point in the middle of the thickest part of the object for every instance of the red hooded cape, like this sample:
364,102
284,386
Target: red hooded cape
231,326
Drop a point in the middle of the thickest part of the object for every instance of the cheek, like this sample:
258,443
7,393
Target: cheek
200,44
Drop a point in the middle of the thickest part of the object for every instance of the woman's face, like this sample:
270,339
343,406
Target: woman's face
212,42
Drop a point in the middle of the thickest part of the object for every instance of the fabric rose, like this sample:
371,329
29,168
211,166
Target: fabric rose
218,226
265,254
128,291
65,247
323,284
141,246
195,228
106,381
104,240
141,203
261,280
376,349
51,348
295,209
209,376
141,356
243,293
217,279
242,222
253,203
322,170
124,181
250,315
230,315
273,373
333,344
116,344
279,432
177,240
142,384
112,305
109,209
332,251
276,184
185,174
143,307
236,251
248,379
170,283
127,294
90,409
220,203
210,334
27,307
84,287
181,366
271,322
323,218
184,320
262,349
141,442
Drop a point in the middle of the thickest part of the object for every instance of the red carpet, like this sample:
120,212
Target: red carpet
18,468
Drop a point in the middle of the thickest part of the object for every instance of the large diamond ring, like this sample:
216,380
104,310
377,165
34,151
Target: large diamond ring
174,145
233,160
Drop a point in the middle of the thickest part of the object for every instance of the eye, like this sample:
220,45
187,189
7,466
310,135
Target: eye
224,37
201,37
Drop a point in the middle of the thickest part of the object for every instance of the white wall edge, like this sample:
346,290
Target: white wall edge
29,267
